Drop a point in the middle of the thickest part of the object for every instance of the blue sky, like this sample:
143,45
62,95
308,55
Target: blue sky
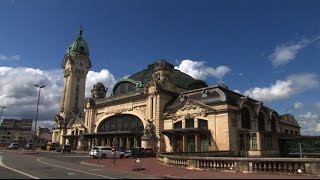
266,49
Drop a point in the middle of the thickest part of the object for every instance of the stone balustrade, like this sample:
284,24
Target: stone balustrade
255,165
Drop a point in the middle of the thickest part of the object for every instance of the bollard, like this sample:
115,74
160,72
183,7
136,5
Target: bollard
137,165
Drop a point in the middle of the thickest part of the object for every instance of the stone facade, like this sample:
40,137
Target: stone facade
169,111
15,130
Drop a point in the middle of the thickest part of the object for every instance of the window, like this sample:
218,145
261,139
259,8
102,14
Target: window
253,141
243,142
203,124
204,143
177,125
273,124
121,123
191,143
189,123
245,118
248,141
124,87
267,141
261,121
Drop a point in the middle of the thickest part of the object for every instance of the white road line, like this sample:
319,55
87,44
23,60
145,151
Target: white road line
75,169
73,156
3,165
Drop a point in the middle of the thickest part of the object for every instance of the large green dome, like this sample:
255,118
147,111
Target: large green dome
79,46
178,78
140,79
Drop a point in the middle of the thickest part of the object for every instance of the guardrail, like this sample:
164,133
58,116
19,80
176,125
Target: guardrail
255,165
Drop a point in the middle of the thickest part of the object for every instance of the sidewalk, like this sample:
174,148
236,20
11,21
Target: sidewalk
153,167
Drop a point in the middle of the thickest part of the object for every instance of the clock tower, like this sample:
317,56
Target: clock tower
76,64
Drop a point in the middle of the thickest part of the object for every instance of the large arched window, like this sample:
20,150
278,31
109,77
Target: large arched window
261,120
273,124
245,118
124,87
123,122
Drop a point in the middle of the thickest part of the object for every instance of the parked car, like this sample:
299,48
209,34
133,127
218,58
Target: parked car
104,152
64,148
28,146
149,152
128,153
51,146
13,146
137,152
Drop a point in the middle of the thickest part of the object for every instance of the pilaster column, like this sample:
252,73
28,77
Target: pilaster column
184,143
173,144
197,142
135,142
108,141
128,143
121,142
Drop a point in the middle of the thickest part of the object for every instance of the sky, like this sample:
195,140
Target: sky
268,50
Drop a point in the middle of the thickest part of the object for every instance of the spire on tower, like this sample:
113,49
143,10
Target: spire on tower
80,34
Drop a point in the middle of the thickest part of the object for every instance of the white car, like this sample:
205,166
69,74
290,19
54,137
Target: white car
13,146
104,152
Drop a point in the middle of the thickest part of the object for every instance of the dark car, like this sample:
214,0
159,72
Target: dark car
138,152
149,152
64,148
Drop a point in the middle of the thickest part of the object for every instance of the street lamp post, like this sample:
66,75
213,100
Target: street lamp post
35,125
1,112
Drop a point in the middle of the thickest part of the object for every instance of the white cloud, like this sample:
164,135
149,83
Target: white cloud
298,105
310,116
309,123
237,91
19,95
199,70
283,89
287,52
12,58
104,76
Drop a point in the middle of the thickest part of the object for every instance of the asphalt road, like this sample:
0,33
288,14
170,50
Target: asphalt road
54,165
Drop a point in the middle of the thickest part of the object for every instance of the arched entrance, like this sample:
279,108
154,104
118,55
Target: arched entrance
123,131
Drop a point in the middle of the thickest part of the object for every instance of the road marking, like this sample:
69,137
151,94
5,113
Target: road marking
3,165
74,169
95,169
72,156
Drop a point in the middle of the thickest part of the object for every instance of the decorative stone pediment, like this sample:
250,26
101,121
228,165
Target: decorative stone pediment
190,109
118,109
76,122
